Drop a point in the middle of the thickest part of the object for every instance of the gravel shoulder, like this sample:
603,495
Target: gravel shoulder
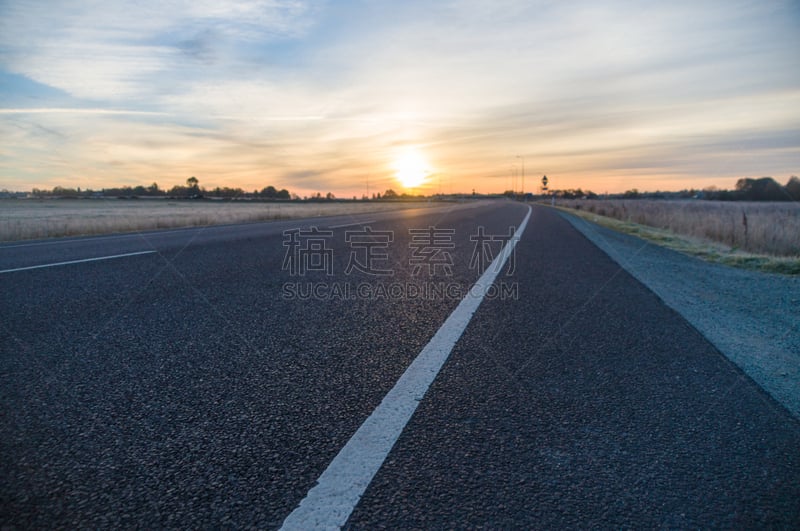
752,318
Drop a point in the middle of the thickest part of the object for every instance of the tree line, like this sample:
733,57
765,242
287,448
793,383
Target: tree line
747,189
763,189
192,190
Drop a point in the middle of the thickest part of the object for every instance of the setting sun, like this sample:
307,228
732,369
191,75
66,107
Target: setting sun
411,169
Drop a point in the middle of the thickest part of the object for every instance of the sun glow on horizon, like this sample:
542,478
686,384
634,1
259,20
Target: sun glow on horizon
411,168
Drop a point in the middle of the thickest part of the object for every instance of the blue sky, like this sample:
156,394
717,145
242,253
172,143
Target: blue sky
325,96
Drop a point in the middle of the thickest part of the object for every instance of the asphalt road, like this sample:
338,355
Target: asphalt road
201,385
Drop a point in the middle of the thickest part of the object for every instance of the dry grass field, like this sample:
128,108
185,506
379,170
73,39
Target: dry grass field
23,219
761,228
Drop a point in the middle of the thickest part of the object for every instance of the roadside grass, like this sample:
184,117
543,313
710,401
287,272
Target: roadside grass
25,219
704,249
767,228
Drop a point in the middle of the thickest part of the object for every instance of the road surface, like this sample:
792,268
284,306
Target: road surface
210,377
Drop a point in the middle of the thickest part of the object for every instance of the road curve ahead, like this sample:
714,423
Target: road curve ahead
212,377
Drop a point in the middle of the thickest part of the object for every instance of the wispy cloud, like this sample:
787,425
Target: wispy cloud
118,50
56,110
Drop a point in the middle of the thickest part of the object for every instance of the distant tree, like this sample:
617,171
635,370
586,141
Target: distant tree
269,192
329,196
192,188
283,193
570,194
227,192
631,194
122,192
763,189
389,194
60,191
180,191
793,188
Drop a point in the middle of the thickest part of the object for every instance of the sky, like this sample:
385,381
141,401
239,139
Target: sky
343,96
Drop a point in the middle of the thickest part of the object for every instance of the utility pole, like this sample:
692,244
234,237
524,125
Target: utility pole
516,179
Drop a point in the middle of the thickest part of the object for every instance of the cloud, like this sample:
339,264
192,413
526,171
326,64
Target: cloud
114,50
56,110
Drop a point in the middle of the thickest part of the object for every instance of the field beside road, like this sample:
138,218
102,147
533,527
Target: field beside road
759,236
25,219
768,228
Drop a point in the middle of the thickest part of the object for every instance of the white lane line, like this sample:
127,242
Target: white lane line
329,503
152,233
76,261
351,224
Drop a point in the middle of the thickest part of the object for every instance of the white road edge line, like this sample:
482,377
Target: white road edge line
351,224
329,503
75,261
